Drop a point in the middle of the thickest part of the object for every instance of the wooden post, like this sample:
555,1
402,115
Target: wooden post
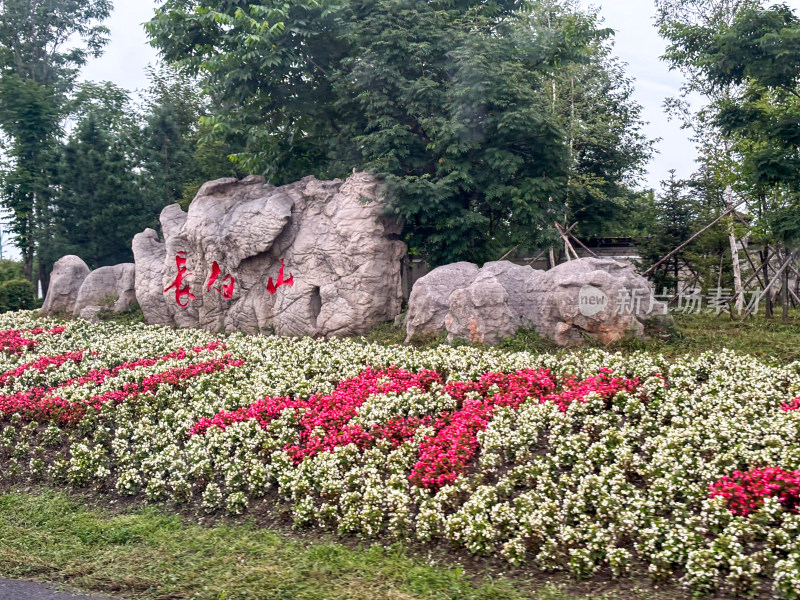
506,255
582,245
691,239
785,295
756,274
755,270
765,272
737,273
769,285
535,258
567,246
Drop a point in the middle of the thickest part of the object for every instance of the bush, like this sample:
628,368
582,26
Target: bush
10,269
17,294
132,314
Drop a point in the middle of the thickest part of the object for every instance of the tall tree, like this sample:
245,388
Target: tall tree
684,23
98,204
758,53
593,99
171,136
443,99
43,43
668,220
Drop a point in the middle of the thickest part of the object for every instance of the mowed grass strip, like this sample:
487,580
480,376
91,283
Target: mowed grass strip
145,554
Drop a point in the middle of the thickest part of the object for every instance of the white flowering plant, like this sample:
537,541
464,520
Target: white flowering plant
586,462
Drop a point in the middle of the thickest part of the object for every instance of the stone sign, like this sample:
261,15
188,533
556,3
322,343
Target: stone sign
310,258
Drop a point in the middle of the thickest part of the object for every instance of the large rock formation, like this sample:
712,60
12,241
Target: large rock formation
66,279
150,253
602,299
310,258
107,284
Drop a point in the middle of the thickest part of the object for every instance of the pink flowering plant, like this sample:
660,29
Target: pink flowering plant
586,461
745,491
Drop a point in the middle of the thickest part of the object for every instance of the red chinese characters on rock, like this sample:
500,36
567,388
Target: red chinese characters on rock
181,292
272,287
226,287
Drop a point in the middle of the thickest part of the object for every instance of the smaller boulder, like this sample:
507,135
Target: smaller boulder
602,299
429,302
90,313
66,279
502,299
105,283
150,252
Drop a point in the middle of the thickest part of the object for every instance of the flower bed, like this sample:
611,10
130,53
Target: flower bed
588,462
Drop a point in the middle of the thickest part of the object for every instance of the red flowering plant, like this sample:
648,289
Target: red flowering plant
16,341
791,405
41,364
325,420
44,403
744,491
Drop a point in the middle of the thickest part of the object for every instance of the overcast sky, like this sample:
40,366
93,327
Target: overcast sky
636,42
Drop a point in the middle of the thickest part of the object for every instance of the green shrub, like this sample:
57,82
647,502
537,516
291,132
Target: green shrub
10,269
132,314
17,294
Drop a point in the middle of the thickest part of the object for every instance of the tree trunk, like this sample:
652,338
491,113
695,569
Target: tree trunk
27,264
765,273
737,273
785,294
44,280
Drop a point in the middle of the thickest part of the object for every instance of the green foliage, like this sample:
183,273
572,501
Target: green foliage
42,45
749,63
685,24
592,99
175,158
10,269
121,166
99,207
449,102
670,218
133,314
16,294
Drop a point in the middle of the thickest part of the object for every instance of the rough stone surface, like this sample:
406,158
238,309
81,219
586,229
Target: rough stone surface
430,297
149,253
502,298
89,313
343,257
600,298
69,273
628,305
107,282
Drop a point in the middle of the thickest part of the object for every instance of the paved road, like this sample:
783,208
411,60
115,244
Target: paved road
12,589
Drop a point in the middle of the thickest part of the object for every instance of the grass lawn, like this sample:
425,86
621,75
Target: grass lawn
143,553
